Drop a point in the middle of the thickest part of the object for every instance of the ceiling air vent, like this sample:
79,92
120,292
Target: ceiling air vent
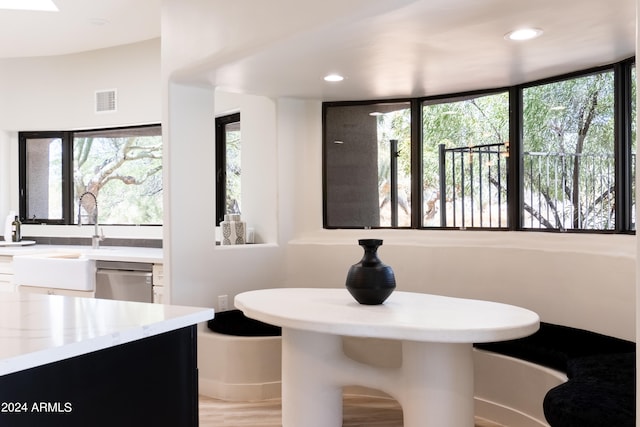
106,101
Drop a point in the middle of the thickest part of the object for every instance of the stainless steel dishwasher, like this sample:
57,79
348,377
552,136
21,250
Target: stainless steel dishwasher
125,281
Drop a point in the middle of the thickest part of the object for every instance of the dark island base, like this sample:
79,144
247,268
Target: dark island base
150,382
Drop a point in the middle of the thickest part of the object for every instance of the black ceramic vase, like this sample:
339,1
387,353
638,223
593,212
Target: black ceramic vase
370,281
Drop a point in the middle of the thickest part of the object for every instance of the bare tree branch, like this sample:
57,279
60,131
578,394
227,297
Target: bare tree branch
129,180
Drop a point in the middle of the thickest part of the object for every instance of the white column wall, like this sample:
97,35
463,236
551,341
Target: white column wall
259,160
198,270
300,180
8,173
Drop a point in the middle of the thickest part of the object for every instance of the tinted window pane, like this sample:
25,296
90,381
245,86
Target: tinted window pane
123,169
367,154
464,159
634,113
568,154
233,165
44,178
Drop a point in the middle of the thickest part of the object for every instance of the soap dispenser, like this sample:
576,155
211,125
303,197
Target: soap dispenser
16,235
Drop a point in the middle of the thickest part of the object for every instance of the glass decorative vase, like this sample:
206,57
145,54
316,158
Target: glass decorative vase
370,281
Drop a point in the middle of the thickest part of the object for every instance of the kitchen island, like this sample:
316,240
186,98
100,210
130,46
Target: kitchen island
81,361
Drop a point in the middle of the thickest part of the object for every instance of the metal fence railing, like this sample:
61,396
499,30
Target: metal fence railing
473,186
560,190
569,191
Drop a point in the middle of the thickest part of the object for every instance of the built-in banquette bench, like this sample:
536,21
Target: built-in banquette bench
563,376
239,359
600,390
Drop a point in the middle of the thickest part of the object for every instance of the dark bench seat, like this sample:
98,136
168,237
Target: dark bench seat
600,390
234,322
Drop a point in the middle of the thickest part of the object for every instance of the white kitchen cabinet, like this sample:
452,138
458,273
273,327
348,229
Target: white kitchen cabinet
6,274
158,283
158,274
158,294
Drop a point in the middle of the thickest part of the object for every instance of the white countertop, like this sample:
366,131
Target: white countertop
39,329
403,316
104,253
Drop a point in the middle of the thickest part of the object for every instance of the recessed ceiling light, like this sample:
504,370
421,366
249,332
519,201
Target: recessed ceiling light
524,34
42,5
333,78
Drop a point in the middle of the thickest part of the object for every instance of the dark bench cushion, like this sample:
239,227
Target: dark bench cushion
589,402
234,322
619,368
600,393
554,345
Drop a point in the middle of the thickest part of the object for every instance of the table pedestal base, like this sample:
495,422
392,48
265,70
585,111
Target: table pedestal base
434,384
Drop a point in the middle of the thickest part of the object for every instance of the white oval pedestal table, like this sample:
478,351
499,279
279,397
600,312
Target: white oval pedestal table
434,384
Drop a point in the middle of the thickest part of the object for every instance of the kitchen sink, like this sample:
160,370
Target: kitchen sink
60,270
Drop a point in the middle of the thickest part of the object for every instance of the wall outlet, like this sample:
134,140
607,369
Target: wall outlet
223,303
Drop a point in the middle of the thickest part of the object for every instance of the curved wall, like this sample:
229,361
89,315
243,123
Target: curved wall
584,281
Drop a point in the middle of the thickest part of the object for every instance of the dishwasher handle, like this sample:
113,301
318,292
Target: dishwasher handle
124,266
135,275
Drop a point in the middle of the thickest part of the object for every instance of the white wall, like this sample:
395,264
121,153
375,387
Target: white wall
58,93
578,281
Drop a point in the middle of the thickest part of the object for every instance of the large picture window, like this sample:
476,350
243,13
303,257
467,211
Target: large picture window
368,165
464,162
121,167
568,154
557,154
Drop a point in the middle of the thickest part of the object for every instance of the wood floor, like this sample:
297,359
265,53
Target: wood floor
358,412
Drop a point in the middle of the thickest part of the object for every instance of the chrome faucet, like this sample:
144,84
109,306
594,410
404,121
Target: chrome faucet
96,238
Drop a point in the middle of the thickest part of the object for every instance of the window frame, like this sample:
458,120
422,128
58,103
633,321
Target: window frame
622,72
68,202
221,162
67,171
439,99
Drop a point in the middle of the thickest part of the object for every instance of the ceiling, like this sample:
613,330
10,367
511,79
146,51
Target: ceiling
385,49
80,25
